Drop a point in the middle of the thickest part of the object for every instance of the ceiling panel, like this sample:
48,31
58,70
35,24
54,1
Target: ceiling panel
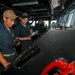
35,7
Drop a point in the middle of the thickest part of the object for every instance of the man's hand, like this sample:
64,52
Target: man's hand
17,39
6,64
3,61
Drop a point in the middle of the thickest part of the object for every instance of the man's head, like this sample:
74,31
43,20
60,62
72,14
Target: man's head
9,17
40,21
24,18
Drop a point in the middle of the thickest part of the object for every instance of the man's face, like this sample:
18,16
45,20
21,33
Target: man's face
8,22
24,20
40,21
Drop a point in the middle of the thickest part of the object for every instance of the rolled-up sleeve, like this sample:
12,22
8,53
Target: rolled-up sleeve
0,44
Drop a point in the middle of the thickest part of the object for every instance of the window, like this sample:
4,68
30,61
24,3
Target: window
46,23
33,24
70,18
53,21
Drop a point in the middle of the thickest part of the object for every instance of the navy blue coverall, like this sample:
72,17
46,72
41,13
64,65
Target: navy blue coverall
21,31
6,39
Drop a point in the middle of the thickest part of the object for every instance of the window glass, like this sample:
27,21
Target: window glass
46,23
69,23
33,24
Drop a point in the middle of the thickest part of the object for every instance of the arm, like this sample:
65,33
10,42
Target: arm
26,38
16,32
23,38
31,31
3,61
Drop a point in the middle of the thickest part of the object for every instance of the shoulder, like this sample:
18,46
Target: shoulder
17,26
1,27
1,30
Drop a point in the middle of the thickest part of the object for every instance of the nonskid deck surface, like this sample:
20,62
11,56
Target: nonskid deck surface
53,45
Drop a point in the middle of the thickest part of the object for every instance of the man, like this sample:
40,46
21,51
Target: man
23,31
7,54
40,26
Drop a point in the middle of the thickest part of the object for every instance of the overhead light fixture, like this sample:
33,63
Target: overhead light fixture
26,3
54,3
39,9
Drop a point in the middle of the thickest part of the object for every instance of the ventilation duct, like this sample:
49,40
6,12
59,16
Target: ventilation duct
25,3
43,9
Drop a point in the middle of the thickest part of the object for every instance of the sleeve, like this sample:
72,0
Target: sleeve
30,27
16,32
0,44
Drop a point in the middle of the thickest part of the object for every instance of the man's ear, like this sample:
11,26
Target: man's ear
4,18
20,18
